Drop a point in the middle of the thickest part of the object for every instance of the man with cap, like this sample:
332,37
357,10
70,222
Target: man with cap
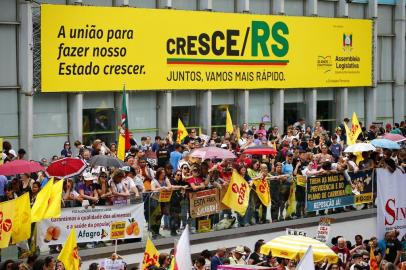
237,255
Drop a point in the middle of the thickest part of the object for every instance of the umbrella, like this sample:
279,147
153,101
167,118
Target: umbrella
385,143
360,147
20,166
66,167
394,137
211,152
106,161
260,150
295,246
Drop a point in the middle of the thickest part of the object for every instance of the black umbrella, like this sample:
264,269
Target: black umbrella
106,161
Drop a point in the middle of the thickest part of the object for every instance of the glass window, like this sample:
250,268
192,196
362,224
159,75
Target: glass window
50,113
355,103
259,105
8,113
326,114
99,124
292,112
188,115
218,117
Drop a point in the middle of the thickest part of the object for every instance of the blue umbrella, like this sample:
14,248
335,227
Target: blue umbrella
385,143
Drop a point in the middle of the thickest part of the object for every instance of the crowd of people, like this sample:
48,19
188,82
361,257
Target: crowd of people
164,164
388,254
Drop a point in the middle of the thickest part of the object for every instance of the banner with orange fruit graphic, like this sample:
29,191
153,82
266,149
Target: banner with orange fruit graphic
101,223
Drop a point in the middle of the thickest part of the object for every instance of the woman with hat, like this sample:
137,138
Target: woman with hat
86,189
237,256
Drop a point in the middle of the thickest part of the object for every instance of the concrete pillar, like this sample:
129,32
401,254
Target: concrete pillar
311,106
311,8
75,117
243,6
242,107
278,103
371,93
399,64
164,111
311,94
342,8
278,96
278,7
204,103
25,77
206,5
341,94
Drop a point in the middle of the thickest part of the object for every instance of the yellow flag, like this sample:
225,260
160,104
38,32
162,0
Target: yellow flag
359,157
229,123
262,190
22,219
69,254
41,202
238,133
121,147
355,127
151,255
182,132
237,194
6,222
54,202
348,134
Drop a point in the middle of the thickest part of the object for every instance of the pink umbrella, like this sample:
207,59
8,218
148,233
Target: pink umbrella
66,167
394,137
212,153
20,166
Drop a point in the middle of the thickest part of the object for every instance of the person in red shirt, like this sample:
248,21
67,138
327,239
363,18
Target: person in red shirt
342,251
225,169
196,181
243,160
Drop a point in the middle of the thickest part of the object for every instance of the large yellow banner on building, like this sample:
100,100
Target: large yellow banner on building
101,48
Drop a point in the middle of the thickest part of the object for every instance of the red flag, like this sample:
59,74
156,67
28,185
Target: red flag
373,262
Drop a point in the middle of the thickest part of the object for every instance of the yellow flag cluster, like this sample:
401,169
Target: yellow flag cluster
16,215
48,202
151,255
237,194
182,132
69,254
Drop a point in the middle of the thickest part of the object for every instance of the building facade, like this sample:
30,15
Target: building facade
42,122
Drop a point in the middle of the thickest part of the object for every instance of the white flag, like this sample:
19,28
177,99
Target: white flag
307,262
183,255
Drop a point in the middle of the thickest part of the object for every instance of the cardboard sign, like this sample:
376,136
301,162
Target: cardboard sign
204,203
165,196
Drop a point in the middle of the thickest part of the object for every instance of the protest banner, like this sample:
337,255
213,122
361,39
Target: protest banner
328,191
204,203
295,232
92,48
101,223
362,184
323,229
391,202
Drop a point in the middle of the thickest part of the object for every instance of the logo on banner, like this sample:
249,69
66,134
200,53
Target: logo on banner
347,42
393,212
324,63
5,225
240,191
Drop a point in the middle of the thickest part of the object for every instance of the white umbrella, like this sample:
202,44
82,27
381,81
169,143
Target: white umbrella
360,147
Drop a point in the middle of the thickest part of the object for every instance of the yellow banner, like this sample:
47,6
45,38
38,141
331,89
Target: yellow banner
100,48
